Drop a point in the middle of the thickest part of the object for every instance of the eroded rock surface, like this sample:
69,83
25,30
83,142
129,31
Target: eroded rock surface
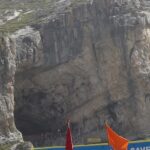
9,135
88,61
93,67
8,132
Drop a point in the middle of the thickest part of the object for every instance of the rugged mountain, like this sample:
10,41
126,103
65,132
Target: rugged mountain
84,60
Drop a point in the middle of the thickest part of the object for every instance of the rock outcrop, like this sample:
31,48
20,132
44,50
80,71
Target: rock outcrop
10,137
8,132
88,62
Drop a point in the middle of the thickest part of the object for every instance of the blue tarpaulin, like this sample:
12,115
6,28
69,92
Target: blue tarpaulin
137,145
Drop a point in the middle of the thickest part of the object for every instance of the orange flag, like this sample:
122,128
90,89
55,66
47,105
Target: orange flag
116,141
69,143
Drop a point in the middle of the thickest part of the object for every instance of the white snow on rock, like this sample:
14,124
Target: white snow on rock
15,15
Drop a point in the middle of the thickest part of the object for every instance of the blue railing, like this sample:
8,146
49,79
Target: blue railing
136,145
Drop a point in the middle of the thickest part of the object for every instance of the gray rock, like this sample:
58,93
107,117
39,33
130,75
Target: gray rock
87,61
8,131
24,146
95,67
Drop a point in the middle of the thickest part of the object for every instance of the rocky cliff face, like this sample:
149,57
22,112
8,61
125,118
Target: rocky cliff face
89,62
10,137
7,67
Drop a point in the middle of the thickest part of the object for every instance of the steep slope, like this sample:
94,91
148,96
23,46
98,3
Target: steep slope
88,61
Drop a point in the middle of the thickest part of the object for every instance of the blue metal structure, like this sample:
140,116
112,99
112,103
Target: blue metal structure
137,145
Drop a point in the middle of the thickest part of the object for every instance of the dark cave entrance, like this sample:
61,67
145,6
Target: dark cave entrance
37,116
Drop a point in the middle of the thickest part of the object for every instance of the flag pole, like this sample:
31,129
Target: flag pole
69,143
68,123
116,141
106,123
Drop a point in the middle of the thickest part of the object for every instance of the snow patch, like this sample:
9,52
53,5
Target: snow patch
15,15
61,1
28,12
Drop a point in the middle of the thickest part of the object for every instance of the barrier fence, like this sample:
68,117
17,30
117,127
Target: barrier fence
135,145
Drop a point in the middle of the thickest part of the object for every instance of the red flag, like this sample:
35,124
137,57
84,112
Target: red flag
116,141
69,144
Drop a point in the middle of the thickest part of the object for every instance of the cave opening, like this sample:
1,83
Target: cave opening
37,116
